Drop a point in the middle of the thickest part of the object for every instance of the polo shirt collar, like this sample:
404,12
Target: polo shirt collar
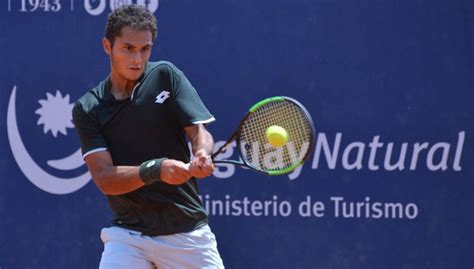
107,84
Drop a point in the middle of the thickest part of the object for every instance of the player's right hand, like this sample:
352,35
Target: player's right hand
201,166
174,172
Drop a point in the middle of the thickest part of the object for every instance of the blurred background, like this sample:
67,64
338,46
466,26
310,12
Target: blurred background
389,84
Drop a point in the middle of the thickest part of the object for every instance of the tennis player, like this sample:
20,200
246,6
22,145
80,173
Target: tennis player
134,127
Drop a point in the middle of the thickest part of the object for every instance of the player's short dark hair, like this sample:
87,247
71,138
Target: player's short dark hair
137,17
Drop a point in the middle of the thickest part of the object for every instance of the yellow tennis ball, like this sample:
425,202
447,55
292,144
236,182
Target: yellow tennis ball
276,136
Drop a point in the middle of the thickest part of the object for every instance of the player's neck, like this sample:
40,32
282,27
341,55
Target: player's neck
120,87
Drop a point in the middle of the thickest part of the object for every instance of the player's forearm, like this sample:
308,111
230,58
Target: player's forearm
202,141
116,180
202,144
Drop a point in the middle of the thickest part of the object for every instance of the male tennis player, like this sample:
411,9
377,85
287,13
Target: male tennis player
133,128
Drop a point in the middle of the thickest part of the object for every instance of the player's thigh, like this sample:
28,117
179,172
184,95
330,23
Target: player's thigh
193,250
120,253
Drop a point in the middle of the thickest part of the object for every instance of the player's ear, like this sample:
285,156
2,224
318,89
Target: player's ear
107,46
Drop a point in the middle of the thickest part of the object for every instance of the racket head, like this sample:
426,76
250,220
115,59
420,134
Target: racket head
254,149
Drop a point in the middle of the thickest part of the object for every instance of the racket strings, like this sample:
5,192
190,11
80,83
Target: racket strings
255,147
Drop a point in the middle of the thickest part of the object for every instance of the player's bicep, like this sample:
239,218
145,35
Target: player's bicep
88,130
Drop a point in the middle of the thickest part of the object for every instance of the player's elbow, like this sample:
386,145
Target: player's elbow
108,188
102,184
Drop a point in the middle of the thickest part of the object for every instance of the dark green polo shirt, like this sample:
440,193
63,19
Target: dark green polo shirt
148,125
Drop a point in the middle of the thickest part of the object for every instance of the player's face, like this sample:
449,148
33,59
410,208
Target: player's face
130,53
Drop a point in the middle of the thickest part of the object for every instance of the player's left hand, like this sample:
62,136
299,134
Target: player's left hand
201,166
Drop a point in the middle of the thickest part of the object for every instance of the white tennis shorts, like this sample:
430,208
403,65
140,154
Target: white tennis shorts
129,249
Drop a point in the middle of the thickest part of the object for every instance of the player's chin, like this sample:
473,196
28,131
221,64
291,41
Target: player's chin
134,74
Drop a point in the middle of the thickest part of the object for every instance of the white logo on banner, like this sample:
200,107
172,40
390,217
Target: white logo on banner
94,11
97,7
55,115
371,155
53,108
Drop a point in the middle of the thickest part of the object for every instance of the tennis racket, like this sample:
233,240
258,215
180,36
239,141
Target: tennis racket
255,151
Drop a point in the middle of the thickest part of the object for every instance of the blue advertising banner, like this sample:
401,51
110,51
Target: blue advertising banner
389,85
